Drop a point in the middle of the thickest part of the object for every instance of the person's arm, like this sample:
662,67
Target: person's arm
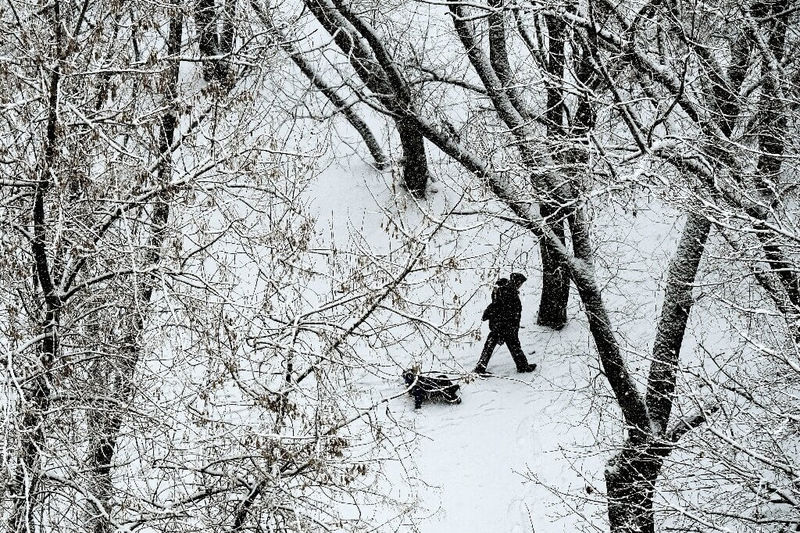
516,314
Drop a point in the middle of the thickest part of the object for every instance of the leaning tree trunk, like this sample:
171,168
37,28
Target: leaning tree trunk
329,91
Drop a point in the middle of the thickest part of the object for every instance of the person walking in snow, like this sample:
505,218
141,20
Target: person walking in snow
504,314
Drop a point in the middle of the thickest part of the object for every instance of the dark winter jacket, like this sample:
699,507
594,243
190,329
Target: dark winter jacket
489,311
505,311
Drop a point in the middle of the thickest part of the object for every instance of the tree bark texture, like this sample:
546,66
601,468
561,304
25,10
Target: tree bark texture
672,323
772,132
555,275
631,481
415,163
215,38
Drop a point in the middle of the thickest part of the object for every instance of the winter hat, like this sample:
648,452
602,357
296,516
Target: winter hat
517,277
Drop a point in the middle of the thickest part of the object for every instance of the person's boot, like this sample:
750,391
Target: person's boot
529,367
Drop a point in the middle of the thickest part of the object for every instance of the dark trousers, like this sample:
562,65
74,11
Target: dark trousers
512,341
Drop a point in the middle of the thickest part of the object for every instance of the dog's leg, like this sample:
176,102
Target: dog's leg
418,397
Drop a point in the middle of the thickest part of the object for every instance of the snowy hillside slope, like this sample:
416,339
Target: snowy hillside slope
522,452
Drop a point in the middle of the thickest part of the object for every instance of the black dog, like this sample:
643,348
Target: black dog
425,388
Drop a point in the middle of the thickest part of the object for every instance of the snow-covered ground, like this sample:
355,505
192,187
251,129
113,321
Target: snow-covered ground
523,452
481,457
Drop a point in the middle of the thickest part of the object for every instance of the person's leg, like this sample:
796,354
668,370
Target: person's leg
512,341
486,354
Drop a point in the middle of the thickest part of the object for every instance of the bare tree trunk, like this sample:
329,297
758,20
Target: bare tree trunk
375,66
675,310
556,283
400,103
631,475
361,127
498,57
415,162
495,73
630,480
215,38
104,424
555,278
773,130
